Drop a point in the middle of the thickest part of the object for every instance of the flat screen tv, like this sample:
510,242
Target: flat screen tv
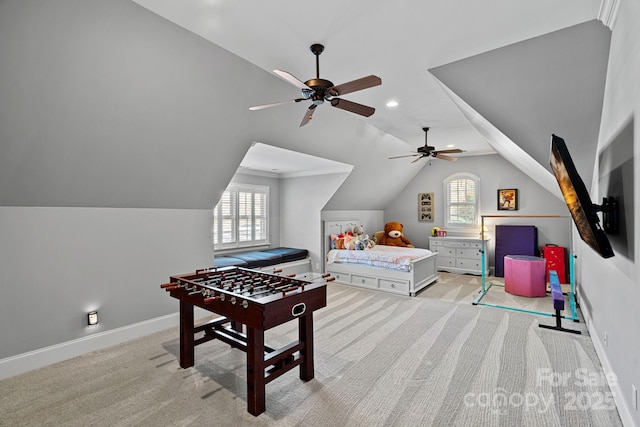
576,196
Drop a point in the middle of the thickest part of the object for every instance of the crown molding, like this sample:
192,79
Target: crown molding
283,175
608,12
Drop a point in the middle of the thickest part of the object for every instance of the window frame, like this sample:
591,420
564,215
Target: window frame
238,215
476,204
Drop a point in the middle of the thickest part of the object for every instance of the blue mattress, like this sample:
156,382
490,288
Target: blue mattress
258,259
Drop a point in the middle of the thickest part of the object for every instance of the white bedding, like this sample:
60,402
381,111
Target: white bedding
380,256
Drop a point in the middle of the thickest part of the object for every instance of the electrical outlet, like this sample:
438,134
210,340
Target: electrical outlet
606,339
317,266
634,397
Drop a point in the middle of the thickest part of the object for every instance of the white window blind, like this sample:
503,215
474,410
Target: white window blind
240,218
462,201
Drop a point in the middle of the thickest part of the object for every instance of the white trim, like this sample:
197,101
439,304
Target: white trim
42,357
285,175
447,199
618,394
608,12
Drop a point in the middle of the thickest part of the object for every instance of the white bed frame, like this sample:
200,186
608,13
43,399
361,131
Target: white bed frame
421,273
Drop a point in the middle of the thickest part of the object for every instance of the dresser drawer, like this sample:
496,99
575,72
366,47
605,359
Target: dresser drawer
475,245
435,244
394,285
468,264
443,261
363,281
471,253
447,251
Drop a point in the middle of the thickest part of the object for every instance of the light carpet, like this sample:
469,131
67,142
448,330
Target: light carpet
380,360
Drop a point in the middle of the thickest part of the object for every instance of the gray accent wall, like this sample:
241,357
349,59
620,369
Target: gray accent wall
494,173
610,289
118,132
60,263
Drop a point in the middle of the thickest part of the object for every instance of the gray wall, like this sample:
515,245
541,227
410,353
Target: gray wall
59,263
609,289
117,126
302,201
494,173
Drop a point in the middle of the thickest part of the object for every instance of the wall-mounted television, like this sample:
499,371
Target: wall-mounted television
576,196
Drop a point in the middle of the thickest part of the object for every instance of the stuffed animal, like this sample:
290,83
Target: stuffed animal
393,235
337,241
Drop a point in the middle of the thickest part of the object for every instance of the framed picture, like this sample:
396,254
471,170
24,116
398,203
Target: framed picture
508,199
425,207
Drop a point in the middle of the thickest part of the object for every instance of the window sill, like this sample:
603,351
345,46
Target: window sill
236,250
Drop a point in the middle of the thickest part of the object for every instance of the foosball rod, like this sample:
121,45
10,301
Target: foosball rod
281,288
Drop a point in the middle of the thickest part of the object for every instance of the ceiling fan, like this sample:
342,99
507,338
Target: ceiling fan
319,90
429,151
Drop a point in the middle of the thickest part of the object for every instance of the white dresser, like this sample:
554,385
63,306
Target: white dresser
459,254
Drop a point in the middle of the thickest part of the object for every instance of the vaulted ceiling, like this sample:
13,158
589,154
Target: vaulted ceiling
519,64
114,104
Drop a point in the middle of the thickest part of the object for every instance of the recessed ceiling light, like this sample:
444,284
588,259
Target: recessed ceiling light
451,145
392,103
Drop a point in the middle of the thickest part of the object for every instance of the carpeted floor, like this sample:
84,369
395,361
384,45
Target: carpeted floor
381,360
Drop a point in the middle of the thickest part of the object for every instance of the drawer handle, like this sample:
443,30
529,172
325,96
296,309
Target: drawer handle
363,280
393,285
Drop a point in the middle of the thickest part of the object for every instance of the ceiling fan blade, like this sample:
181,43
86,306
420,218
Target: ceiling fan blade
417,159
454,150
308,114
273,104
408,155
291,79
355,85
353,107
444,157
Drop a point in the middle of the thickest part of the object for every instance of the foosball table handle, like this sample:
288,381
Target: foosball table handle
291,288
166,285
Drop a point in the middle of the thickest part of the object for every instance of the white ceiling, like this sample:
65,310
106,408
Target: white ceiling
398,41
279,162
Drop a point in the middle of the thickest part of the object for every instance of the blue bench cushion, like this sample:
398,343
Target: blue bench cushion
257,259
227,261
288,254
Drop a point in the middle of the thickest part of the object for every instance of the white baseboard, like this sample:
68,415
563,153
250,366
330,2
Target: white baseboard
621,404
42,357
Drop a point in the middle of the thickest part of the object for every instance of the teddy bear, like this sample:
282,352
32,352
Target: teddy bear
393,235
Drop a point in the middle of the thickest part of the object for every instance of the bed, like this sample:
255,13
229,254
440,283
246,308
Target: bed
392,269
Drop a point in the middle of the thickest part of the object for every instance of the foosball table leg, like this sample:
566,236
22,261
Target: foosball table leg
187,352
305,335
255,371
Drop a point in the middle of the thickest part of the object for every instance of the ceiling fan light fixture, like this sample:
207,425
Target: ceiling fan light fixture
320,90
392,103
429,151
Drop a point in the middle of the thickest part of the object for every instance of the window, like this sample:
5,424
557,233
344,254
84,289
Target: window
241,217
462,194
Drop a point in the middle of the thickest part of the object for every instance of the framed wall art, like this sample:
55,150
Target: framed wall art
508,199
425,207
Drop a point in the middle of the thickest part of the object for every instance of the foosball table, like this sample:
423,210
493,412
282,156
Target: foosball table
258,301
